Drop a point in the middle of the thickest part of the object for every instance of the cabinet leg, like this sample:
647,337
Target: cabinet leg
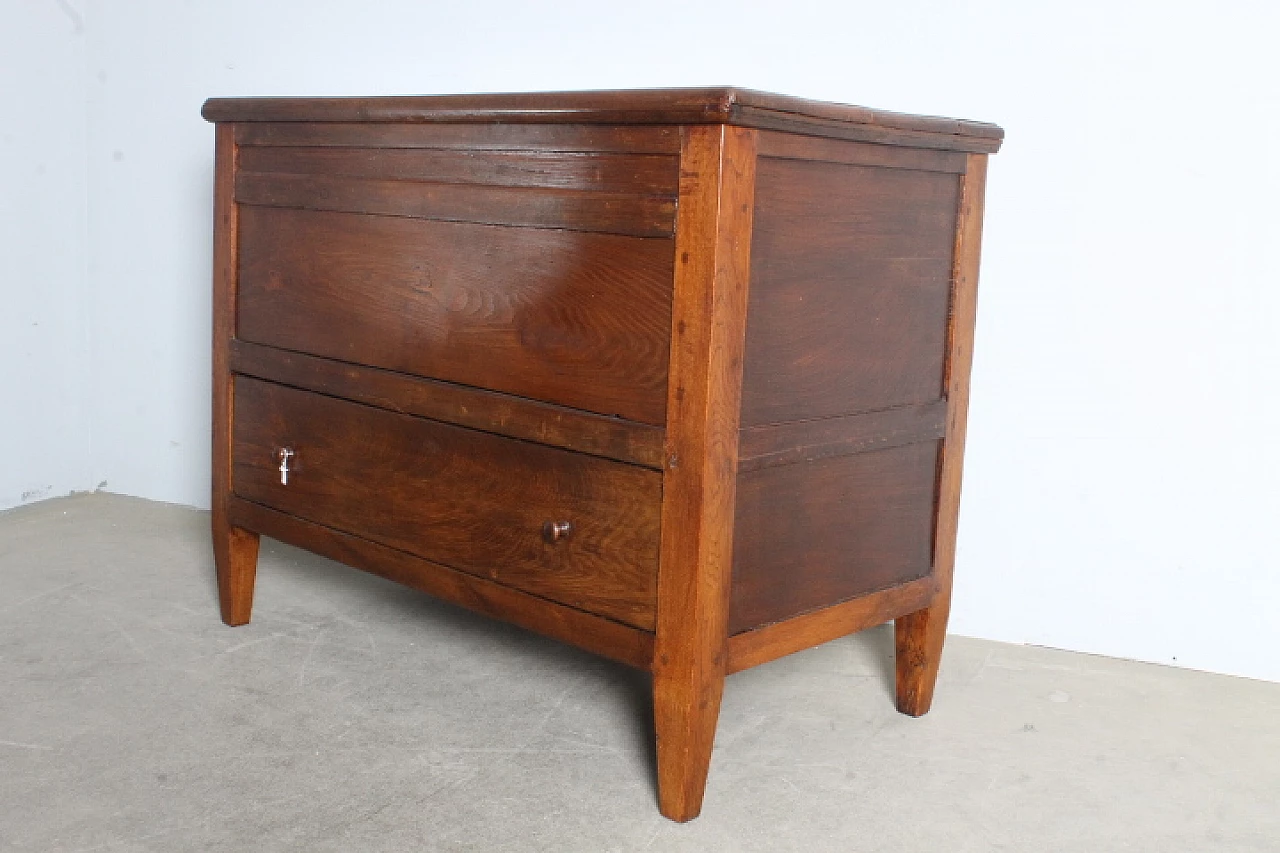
235,551
918,639
685,714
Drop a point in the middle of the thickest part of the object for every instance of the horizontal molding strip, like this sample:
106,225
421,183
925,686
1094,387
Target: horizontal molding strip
639,174
805,441
476,137
611,213
788,146
761,645
476,408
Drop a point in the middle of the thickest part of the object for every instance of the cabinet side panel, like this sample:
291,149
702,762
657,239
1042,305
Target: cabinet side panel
811,534
850,284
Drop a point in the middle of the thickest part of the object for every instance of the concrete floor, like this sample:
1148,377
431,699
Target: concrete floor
355,715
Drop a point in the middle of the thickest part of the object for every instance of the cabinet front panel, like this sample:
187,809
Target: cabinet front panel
575,529
850,289
812,534
578,319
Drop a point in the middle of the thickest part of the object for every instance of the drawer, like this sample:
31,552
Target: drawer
577,529
582,320
544,274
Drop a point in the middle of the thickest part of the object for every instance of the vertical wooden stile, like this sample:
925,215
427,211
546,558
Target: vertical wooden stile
235,550
919,636
713,252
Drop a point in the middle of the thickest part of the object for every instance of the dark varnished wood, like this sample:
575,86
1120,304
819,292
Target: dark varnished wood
789,146
582,320
718,105
770,642
807,441
919,636
504,414
613,213
711,281
813,533
623,174
470,500
510,343
584,630
850,270
235,549
465,137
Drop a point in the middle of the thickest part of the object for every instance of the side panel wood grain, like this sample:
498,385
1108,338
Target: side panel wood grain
811,534
583,320
850,272
470,500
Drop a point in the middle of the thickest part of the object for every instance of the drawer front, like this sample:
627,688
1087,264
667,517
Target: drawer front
573,528
583,320
540,273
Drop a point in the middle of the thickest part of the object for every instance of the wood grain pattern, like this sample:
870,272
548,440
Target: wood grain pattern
744,107
814,533
581,320
768,119
469,500
808,441
489,411
789,146
610,213
713,241
467,137
770,642
235,550
919,636
634,174
592,633
851,270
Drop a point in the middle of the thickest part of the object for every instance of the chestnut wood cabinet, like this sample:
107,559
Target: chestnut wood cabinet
676,376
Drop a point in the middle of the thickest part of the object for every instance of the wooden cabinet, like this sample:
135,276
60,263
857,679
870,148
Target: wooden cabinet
678,377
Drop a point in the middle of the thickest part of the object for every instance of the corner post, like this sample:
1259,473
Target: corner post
919,636
235,550
713,256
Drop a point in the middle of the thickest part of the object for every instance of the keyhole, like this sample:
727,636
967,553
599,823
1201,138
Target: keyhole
284,454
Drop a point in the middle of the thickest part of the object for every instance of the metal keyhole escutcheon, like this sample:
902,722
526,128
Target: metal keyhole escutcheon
284,454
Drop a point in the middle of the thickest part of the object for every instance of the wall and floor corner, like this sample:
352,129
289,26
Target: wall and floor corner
1120,489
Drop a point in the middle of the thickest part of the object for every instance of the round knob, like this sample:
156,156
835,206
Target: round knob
556,531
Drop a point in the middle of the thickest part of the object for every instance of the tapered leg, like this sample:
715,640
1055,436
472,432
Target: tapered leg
918,639
235,551
713,222
685,712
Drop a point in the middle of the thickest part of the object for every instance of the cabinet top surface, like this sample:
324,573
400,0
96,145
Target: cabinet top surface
720,105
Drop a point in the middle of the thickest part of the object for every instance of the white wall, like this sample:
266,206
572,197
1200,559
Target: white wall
1120,492
44,426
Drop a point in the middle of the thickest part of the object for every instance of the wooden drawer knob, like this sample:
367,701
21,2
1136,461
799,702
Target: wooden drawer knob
556,531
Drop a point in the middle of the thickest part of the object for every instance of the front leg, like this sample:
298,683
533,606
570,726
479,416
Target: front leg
235,552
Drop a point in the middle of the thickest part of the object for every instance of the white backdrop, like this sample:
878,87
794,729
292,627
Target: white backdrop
1122,488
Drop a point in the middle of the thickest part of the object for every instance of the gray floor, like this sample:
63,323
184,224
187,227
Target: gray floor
354,715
